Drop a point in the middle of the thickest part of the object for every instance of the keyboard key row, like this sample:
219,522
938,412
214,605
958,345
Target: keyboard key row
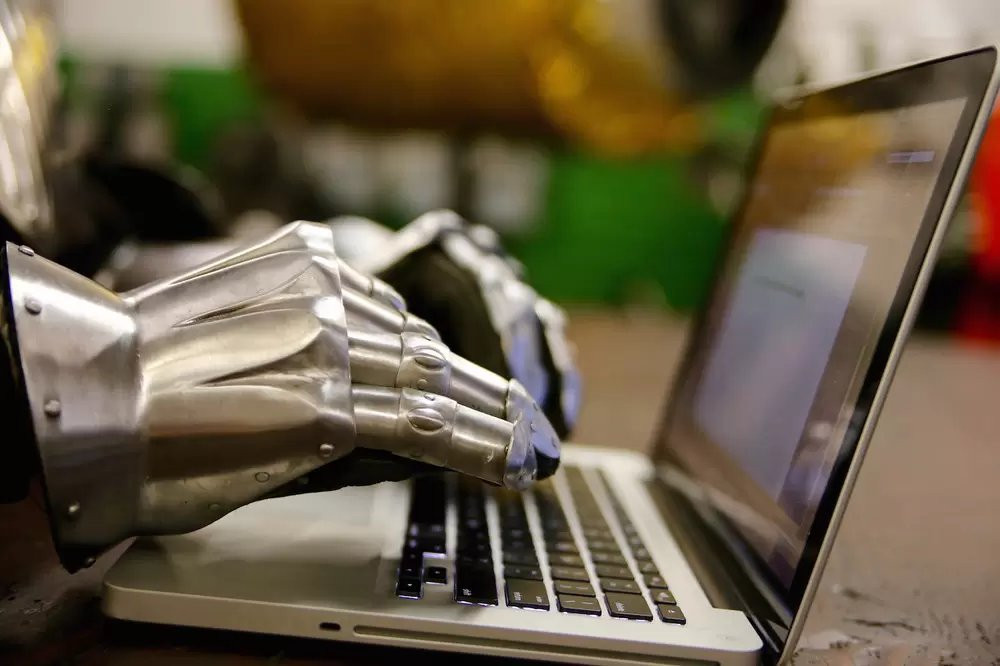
659,591
622,593
527,594
475,582
425,536
575,604
522,574
570,580
422,559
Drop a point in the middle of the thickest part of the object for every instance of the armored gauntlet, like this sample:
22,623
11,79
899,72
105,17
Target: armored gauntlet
258,373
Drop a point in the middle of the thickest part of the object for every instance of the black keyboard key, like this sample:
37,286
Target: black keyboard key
565,560
555,536
427,503
655,582
519,522
581,605
641,554
411,558
527,594
426,530
468,537
408,588
477,560
597,533
593,522
613,571
436,575
630,606
635,542
409,571
663,597
427,545
648,568
527,573
518,544
562,547
475,585
619,585
474,549
573,587
608,558
514,533
598,545
521,557
569,573
671,614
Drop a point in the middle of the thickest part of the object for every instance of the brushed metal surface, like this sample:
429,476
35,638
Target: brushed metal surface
162,409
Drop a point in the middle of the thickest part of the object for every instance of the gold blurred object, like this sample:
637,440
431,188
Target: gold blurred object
525,67
837,149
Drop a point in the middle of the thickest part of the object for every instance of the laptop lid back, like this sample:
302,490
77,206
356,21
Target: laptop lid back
820,283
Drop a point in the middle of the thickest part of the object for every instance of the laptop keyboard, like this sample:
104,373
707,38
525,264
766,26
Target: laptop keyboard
425,539
632,591
475,582
659,592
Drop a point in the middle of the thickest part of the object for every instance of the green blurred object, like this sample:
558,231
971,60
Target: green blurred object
201,102
615,228
640,229
611,230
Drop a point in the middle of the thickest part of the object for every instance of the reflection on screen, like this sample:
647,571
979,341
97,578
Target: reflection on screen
817,259
785,311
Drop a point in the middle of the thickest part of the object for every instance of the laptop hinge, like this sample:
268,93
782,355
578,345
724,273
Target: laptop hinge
721,575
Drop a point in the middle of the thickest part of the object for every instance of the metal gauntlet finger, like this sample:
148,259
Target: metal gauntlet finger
367,314
419,362
437,430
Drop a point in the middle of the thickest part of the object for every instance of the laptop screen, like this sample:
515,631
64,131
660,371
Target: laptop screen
848,188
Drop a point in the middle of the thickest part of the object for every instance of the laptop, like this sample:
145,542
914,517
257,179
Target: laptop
708,551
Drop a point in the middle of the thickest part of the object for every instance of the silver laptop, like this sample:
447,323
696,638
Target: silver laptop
710,550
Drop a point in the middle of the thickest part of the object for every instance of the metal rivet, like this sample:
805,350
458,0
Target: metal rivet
214,506
531,426
326,450
262,476
426,419
52,408
24,249
32,306
429,358
73,510
421,383
89,562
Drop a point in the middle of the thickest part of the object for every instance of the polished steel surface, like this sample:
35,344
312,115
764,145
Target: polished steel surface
163,408
79,349
530,329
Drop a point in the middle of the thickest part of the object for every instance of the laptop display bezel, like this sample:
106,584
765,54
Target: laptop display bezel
972,75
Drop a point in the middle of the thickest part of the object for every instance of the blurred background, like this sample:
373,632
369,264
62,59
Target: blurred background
604,139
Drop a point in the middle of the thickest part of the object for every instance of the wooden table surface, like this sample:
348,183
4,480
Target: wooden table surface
914,577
